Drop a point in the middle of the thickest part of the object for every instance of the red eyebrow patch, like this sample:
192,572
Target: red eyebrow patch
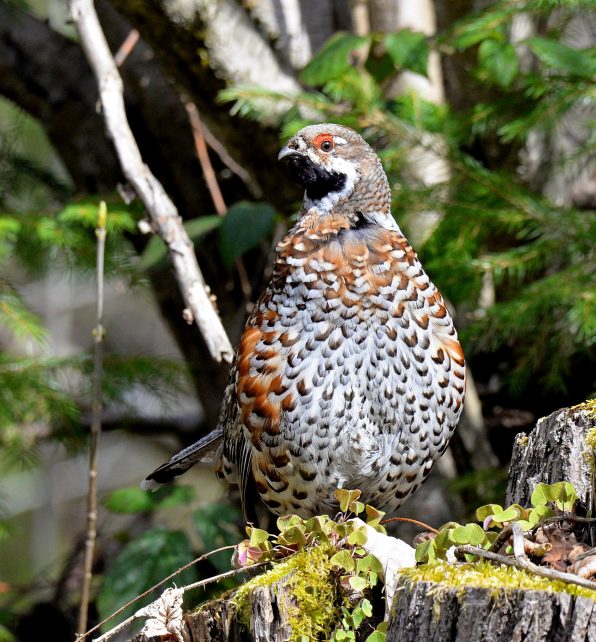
321,138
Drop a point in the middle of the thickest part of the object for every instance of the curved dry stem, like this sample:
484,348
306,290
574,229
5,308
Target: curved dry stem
409,520
161,583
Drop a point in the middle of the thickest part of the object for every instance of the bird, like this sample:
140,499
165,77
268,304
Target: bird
349,373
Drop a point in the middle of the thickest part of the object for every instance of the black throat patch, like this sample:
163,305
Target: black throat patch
317,180
359,222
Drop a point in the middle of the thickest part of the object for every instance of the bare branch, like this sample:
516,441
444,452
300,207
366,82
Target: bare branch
203,154
251,184
178,591
163,213
522,562
98,334
155,586
212,184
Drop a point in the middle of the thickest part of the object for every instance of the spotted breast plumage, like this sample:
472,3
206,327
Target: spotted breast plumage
349,372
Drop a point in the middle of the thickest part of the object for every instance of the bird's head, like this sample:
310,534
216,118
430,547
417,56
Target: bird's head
334,164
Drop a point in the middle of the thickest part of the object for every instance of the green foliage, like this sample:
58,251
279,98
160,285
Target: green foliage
408,50
567,60
255,220
135,500
547,501
217,526
562,494
497,62
336,58
538,254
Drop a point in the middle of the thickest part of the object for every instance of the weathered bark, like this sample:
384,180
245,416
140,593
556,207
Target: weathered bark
267,618
424,611
554,451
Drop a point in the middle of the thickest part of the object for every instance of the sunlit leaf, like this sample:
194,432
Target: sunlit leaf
336,56
344,560
408,50
499,60
136,500
556,55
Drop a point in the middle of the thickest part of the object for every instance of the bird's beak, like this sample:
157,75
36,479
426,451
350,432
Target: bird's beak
287,151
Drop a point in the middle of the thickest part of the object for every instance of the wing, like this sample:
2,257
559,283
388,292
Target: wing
253,406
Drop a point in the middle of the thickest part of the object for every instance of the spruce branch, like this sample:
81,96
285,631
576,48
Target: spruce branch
164,216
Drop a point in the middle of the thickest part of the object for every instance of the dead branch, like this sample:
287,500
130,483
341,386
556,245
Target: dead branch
162,211
172,597
521,561
212,184
82,636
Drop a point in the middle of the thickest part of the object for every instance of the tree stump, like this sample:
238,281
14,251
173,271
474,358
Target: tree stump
266,618
560,448
556,450
421,612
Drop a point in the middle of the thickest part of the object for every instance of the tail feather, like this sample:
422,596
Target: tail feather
183,460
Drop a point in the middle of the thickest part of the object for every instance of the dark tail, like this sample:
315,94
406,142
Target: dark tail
183,460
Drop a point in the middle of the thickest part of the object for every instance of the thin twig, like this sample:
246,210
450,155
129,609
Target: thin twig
98,334
251,184
468,549
567,518
520,561
203,154
410,521
212,184
127,47
182,589
155,586
164,216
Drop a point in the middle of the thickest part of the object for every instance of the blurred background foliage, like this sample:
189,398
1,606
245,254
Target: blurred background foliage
504,225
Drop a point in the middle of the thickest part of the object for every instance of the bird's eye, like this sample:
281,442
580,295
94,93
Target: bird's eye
327,146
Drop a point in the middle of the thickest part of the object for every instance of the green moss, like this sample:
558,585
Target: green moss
589,407
483,574
522,441
310,581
